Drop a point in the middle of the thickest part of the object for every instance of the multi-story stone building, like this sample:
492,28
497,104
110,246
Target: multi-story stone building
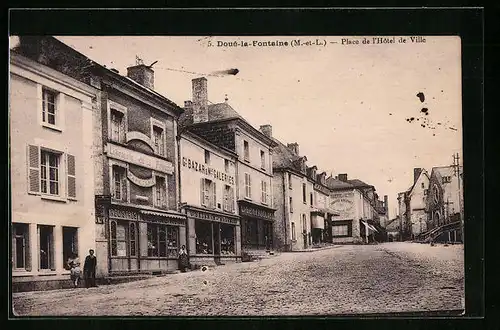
222,126
51,159
353,200
416,197
137,225
403,207
321,212
208,197
292,190
142,229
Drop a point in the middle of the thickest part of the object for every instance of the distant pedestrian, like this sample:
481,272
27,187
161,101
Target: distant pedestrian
89,269
74,267
183,259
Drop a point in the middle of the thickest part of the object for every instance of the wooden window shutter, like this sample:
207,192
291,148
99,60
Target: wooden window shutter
71,171
214,195
166,182
202,191
124,185
231,199
33,169
249,186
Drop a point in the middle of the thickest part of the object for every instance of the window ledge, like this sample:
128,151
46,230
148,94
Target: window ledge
248,198
21,272
52,127
54,198
47,273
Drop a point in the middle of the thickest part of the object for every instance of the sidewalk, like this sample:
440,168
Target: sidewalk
315,248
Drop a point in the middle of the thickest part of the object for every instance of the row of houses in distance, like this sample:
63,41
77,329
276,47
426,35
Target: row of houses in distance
101,160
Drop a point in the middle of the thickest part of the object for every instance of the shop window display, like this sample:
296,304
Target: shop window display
227,240
203,237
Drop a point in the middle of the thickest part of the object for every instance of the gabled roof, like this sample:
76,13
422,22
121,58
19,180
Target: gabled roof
422,172
445,170
333,183
216,111
358,183
219,112
283,157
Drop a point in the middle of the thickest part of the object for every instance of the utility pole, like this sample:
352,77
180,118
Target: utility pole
456,167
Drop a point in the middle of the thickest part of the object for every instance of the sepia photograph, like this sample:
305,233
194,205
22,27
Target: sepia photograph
236,175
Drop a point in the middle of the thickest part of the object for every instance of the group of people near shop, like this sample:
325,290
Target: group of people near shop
89,267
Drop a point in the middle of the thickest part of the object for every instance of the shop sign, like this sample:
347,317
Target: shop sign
211,217
344,206
164,220
321,189
249,211
137,158
146,183
340,195
203,168
123,214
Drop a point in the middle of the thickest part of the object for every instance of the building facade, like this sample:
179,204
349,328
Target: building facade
51,157
321,212
417,198
139,227
208,198
222,126
137,224
353,200
298,220
444,199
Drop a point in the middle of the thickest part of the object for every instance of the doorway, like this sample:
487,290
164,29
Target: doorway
216,240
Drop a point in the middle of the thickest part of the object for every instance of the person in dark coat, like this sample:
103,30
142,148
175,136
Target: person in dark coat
89,269
183,259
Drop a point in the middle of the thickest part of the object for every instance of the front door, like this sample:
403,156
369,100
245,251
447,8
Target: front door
268,235
216,240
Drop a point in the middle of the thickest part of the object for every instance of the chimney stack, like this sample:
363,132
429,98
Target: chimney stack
416,173
386,204
200,100
294,147
267,130
343,177
142,74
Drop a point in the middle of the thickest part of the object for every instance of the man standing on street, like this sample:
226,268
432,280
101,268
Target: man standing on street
89,269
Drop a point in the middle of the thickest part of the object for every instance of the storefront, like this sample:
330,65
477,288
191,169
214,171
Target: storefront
317,226
256,226
143,240
213,237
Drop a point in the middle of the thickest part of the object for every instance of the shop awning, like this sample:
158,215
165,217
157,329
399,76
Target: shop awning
166,215
318,222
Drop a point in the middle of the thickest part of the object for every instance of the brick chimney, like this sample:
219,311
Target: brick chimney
343,177
386,204
267,130
416,173
294,147
142,74
200,100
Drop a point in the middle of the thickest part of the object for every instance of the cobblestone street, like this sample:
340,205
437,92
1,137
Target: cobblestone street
383,278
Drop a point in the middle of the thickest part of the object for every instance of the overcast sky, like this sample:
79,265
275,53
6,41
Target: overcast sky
345,105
